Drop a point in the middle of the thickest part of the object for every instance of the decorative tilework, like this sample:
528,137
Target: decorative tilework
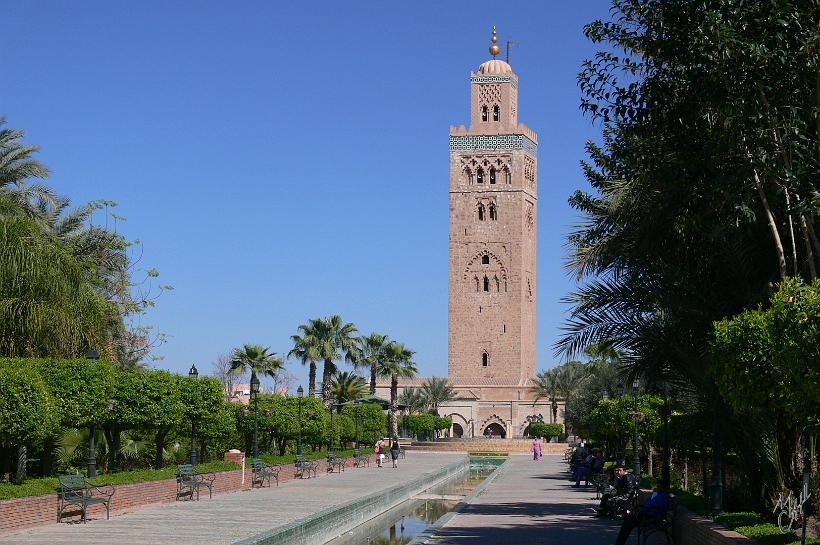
493,142
493,79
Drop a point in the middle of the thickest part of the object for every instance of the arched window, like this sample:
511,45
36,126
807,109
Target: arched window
497,284
485,359
495,112
485,260
480,212
479,177
484,113
486,284
493,215
492,175
476,282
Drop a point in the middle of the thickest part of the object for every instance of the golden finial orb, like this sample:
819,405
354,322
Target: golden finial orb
494,49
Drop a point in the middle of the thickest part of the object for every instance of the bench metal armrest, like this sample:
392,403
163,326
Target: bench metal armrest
106,490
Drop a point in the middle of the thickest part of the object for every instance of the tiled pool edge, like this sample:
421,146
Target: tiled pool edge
335,521
429,532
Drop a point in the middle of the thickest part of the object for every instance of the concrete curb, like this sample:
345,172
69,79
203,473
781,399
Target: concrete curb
339,519
429,532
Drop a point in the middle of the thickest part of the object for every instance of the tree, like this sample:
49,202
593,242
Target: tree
223,371
306,350
348,386
547,385
414,400
398,362
372,351
27,411
256,359
372,421
47,305
17,165
570,377
437,391
333,340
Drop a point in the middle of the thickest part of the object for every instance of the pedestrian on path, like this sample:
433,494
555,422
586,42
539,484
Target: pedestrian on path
394,451
536,449
379,450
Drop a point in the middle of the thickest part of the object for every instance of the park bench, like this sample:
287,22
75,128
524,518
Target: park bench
663,525
601,482
304,467
262,471
360,459
335,463
189,482
76,491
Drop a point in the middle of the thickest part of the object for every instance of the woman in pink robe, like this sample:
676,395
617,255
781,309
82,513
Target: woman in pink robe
536,449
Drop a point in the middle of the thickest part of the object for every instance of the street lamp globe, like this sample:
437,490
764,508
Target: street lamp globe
254,383
193,373
300,391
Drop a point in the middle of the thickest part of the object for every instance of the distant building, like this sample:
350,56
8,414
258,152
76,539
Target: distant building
239,393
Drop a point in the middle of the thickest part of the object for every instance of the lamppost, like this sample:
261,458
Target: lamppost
193,373
666,459
619,393
331,447
255,394
300,392
636,457
356,426
92,355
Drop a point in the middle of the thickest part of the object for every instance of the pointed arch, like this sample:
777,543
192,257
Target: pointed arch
486,284
492,175
480,212
496,112
479,177
493,213
484,112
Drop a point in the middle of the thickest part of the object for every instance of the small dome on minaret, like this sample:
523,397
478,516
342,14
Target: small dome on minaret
495,67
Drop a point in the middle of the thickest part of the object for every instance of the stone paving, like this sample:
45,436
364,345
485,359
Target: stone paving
529,503
228,518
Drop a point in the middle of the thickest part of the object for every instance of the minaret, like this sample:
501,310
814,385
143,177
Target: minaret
493,233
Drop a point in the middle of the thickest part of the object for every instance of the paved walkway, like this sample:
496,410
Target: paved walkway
530,503
228,518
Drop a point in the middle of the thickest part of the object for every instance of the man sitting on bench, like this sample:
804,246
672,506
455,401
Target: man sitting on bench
621,488
593,464
654,507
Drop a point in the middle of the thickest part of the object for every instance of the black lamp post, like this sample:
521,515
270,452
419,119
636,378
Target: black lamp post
619,393
193,373
356,426
300,392
331,446
92,355
255,394
636,457
666,458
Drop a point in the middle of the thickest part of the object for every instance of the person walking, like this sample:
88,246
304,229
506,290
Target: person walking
536,449
394,451
379,450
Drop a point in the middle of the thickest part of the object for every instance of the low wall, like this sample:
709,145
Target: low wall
20,513
487,445
339,519
691,529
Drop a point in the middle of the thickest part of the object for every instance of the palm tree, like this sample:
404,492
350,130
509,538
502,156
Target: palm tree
414,400
347,386
257,359
48,307
571,376
334,340
16,166
305,350
437,391
397,362
547,384
372,350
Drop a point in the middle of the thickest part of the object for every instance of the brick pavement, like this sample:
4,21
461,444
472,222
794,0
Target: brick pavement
231,517
529,503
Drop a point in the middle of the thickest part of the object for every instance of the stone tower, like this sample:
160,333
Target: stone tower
493,233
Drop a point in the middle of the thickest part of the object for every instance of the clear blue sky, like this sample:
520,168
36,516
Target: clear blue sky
284,161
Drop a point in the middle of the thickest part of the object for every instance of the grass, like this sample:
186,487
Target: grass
754,527
50,485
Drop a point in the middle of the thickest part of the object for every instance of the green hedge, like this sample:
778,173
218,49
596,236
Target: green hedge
50,485
309,455
542,429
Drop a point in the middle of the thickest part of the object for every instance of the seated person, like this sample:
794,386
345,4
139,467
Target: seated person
620,487
578,457
654,508
594,463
